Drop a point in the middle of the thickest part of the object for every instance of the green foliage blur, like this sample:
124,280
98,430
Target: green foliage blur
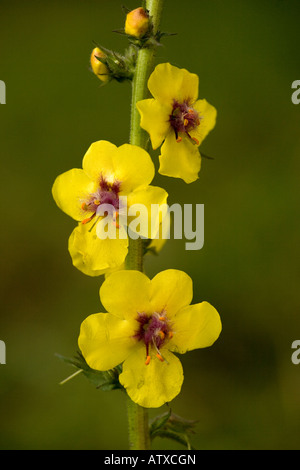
244,391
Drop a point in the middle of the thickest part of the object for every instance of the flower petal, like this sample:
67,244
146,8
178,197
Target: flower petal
133,167
98,160
171,290
94,256
155,120
147,198
105,340
70,189
208,115
152,385
195,326
168,83
125,293
179,159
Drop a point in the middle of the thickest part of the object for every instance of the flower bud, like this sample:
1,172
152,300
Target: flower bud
98,67
137,23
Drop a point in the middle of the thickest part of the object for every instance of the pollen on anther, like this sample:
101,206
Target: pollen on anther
162,334
147,360
160,357
162,318
179,139
85,221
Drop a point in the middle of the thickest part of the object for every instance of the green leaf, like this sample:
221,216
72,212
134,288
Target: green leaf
105,381
159,422
171,426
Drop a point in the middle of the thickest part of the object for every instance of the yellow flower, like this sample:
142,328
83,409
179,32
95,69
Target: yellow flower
108,175
148,321
137,23
176,117
98,67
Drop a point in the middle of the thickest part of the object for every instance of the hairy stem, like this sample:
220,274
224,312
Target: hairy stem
138,426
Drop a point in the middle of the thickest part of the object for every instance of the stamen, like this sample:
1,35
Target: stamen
196,140
85,221
162,318
185,122
171,334
178,140
147,360
160,357
162,334
115,219
97,202
84,206
94,223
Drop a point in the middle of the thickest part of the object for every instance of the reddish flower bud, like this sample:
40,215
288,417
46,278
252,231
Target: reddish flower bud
137,23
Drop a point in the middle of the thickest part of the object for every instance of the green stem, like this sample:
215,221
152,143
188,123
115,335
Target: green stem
138,426
144,67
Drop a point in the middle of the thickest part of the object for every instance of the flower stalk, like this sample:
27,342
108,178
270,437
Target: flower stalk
138,426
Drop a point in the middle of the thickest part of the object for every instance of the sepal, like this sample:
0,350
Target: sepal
174,427
105,381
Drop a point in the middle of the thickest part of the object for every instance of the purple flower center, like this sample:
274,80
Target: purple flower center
154,331
106,193
184,119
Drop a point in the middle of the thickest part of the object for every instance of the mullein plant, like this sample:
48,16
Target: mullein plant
134,345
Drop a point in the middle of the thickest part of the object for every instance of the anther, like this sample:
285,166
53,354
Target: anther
85,221
170,334
97,202
160,357
196,140
185,122
84,206
162,318
147,360
162,334
179,139
115,219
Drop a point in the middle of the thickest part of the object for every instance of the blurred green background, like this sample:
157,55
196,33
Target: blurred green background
244,391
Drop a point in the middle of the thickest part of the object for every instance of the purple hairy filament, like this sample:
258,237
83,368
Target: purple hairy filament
107,193
154,331
184,119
